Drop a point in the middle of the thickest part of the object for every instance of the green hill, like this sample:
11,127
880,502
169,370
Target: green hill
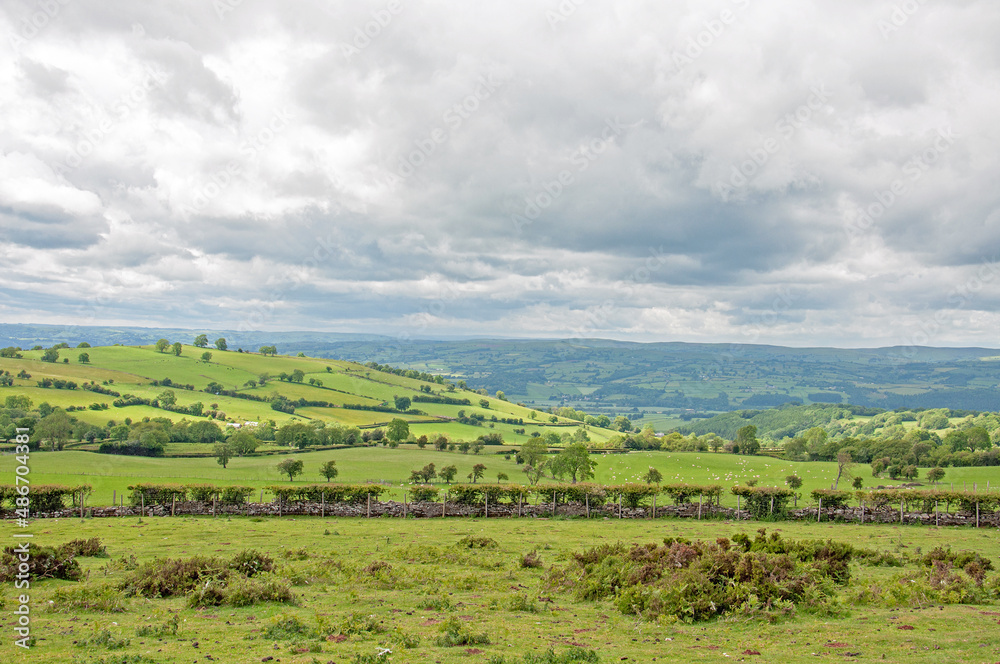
229,385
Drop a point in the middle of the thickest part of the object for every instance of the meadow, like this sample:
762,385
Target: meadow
389,590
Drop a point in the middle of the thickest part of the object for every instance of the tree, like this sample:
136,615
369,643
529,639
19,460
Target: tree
502,477
575,460
201,340
622,424
845,462
425,475
177,348
794,482
653,476
298,375
484,403
243,443
398,430
162,345
448,473
746,438
329,470
935,474
268,350
402,403
51,355
205,432
206,357
501,396
533,451
477,472
83,344
54,427
290,467
464,446
223,453
858,482
84,358
166,398
535,472
910,472
220,343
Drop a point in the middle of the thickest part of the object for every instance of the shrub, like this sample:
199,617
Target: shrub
91,548
694,581
249,562
531,560
360,623
236,495
247,592
202,492
477,542
285,628
455,633
764,501
521,602
419,493
831,497
44,562
166,577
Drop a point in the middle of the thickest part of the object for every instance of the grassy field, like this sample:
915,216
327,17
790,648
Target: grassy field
429,580
110,475
132,370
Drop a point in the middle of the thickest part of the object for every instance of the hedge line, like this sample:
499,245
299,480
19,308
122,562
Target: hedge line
43,497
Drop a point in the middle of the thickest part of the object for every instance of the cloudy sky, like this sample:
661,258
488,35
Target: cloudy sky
776,171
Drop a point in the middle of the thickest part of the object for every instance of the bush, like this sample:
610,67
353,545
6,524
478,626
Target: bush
103,639
165,577
531,560
168,628
419,493
758,500
694,581
831,497
91,548
477,542
44,562
250,563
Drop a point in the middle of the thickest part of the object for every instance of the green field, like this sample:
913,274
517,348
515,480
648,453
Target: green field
132,370
429,580
111,475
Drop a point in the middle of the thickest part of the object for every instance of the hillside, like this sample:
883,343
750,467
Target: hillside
622,377
326,390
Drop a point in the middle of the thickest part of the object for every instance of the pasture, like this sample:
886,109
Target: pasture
390,590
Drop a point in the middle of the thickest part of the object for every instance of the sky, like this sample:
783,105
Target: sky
790,172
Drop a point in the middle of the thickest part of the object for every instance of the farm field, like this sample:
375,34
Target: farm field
133,370
111,475
362,587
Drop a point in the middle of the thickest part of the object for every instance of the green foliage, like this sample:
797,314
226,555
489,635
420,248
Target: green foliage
103,598
455,633
695,581
764,501
420,493
103,639
290,467
572,655
832,497
44,562
164,629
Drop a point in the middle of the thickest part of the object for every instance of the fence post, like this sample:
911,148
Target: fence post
487,495
142,504
369,512
654,507
937,513
977,514
213,506
586,500
553,503
771,511
901,512
700,498
114,496
819,510
619,506
862,512
280,502
322,503
81,503
519,497
737,507
173,505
